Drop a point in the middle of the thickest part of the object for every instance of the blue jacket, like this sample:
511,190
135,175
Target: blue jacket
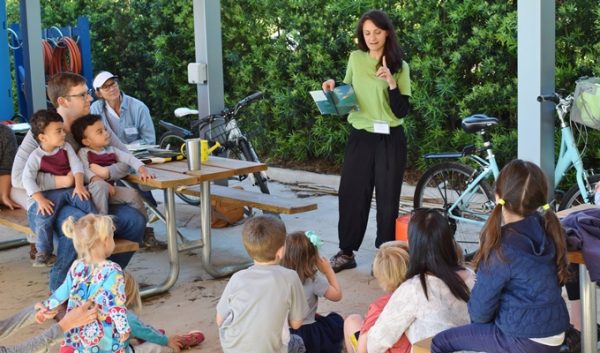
518,290
135,122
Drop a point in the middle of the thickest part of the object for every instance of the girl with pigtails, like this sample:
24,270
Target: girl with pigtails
516,304
319,333
95,279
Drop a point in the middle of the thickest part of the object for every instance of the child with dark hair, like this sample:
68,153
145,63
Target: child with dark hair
53,156
320,333
434,295
258,303
97,155
516,305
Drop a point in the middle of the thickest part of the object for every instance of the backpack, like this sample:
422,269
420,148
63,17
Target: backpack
586,104
226,213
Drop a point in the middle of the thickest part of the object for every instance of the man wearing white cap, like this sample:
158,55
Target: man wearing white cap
128,117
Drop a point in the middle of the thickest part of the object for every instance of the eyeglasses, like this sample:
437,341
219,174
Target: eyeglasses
109,84
83,95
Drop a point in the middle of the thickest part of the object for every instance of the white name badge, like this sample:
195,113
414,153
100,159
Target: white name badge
381,127
131,131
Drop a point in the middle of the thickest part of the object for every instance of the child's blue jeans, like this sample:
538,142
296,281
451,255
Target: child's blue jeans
485,338
43,225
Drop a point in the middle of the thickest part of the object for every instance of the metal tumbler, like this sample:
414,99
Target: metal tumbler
192,147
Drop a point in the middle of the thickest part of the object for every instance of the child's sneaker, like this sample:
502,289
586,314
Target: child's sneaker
191,339
44,260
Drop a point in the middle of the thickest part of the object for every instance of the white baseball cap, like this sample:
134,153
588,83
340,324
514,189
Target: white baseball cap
101,78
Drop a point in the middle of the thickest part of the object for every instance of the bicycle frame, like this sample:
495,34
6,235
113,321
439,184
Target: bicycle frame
569,155
487,169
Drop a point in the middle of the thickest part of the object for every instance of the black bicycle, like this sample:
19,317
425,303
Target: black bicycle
222,128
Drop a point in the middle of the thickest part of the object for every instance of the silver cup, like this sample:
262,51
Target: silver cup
192,147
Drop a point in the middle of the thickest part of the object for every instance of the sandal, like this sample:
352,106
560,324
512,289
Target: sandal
191,339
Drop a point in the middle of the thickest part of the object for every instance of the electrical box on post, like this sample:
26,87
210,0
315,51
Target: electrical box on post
197,73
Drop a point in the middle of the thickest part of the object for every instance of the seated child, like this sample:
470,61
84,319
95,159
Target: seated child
436,290
320,333
257,302
55,157
92,278
389,268
516,304
96,155
148,339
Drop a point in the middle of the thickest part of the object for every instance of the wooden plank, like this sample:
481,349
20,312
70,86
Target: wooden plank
423,346
568,211
215,168
575,257
123,245
164,178
17,220
266,202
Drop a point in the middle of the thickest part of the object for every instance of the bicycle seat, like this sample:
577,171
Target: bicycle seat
181,112
478,122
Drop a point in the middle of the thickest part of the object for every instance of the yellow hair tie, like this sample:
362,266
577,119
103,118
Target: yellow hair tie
546,207
501,202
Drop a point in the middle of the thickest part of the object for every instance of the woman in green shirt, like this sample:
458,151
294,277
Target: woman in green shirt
375,155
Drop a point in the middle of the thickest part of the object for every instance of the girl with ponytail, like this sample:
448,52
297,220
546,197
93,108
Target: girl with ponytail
516,304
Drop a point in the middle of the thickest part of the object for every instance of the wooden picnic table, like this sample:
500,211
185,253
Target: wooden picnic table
172,175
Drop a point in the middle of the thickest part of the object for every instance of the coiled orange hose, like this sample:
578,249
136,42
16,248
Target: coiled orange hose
65,56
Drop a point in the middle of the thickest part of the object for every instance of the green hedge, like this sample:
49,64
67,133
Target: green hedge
462,55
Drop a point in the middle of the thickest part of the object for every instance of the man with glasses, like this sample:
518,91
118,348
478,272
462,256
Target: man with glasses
128,117
70,95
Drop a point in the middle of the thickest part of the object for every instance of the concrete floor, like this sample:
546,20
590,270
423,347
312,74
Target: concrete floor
190,304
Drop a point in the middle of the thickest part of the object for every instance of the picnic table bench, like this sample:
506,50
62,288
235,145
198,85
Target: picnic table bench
17,220
265,202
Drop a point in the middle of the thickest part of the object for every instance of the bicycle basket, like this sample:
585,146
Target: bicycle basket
216,130
586,106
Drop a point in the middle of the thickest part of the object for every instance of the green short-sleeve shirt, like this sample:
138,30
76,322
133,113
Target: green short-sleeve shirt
372,92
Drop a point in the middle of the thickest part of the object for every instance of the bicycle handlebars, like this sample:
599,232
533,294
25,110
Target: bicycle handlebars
554,98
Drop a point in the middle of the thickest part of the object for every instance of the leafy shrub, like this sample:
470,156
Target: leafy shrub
462,55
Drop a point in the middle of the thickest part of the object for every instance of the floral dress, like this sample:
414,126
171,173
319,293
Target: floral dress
103,284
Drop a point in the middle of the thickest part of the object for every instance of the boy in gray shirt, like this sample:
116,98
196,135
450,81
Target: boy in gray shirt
55,157
97,156
259,302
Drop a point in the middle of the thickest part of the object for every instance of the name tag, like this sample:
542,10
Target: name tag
381,127
131,131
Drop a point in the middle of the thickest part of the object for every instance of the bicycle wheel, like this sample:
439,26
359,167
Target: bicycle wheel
442,185
172,141
573,196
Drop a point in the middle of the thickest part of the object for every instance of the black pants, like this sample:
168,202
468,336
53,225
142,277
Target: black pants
370,161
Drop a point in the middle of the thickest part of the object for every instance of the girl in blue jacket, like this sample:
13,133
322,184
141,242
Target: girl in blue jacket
516,304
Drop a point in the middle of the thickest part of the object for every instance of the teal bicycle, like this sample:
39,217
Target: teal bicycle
465,192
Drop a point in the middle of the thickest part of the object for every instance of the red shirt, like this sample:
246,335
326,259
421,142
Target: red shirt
375,309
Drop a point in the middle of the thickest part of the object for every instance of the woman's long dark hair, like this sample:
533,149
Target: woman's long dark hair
524,188
433,251
394,55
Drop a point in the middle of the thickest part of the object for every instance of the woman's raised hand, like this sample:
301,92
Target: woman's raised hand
384,73
328,85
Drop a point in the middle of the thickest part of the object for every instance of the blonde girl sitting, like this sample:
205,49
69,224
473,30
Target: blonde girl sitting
320,333
92,278
389,268
147,339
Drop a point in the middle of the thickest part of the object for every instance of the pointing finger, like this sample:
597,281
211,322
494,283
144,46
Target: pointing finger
384,64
